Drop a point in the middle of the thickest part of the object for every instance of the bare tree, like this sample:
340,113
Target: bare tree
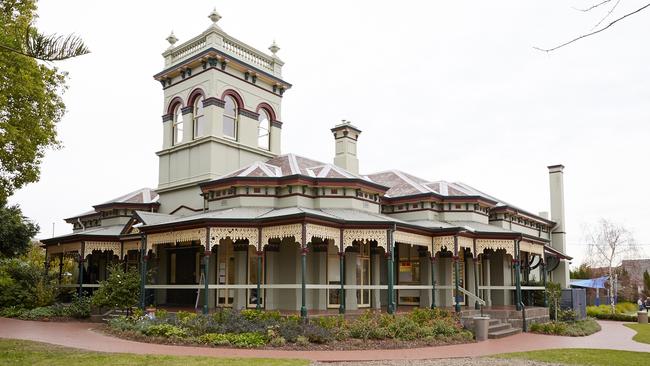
607,245
601,25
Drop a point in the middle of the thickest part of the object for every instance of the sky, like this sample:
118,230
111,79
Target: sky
443,90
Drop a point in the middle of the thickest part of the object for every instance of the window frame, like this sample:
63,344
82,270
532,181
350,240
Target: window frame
196,117
234,117
177,112
267,128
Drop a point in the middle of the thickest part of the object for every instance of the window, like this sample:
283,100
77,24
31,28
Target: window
199,118
177,127
263,140
230,118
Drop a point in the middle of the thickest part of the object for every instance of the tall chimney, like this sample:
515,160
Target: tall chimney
558,233
345,137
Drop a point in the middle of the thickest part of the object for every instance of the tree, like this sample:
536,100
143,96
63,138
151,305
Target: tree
30,93
16,231
601,25
121,290
607,245
646,283
582,272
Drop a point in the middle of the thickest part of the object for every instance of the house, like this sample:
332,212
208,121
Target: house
236,219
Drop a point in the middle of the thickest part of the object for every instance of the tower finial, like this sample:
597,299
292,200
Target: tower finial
171,39
274,48
214,16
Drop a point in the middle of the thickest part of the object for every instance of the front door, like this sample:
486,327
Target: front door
363,275
408,273
333,275
182,264
225,273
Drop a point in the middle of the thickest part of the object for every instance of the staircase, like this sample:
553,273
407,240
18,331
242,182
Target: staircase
499,329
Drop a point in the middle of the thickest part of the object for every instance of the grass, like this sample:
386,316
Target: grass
28,353
642,332
582,356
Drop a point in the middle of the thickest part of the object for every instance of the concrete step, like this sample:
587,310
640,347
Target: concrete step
498,327
494,322
503,333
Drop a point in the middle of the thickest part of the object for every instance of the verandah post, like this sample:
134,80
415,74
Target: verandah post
341,273
543,267
260,253
391,269
81,267
303,266
433,280
517,276
456,276
60,268
206,270
477,306
143,270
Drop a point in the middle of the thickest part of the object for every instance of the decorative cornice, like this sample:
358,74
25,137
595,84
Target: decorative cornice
186,110
249,114
213,101
277,124
167,117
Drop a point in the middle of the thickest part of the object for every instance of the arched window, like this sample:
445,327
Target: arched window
199,118
230,117
177,127
263,129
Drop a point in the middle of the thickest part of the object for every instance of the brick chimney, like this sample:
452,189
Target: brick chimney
558,233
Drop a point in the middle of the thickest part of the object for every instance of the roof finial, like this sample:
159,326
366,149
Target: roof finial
274,48
172,39
214,16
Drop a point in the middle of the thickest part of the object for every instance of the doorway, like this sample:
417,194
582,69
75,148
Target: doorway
182,264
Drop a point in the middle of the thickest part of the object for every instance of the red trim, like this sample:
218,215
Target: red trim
235,95
173,104
193,95
268,109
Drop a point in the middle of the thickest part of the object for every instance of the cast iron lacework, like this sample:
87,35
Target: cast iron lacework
101,246
531,247
323,232
173,237
495,244
281,232
440,242
364,235
413,239
234,233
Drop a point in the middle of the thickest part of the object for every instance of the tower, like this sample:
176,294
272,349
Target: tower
221,111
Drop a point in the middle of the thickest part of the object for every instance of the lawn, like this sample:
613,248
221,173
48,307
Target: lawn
642,332
18,353
582,356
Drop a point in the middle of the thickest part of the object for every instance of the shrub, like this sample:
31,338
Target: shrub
573,329
165,330
185,316
302,341
316,333
121,290
567,315
363,326
161,314
79,307
25,284
403,328
259,315
216,339
278,342
247,340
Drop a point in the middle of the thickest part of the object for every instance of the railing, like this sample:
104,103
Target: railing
191,48
472,296
235,49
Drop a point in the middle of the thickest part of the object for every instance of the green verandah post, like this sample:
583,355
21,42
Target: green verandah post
392,308
477,306
206,270
517,264
303,265
543,267
143,270
260,253
81,267
341,273
433,279
457,275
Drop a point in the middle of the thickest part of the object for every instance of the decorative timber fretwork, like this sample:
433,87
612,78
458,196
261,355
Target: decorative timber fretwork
440,242
413,239
174,237
234,233
64,248
533,248
464,242
281,232
131,245
365,235
507,244
323,232
102,246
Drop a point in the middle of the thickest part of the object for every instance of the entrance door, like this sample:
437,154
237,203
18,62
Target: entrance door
333,275
461,271
225,273
363,275
182,271
409,273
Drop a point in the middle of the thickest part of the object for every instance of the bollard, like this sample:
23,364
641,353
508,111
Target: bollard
481,324
642,317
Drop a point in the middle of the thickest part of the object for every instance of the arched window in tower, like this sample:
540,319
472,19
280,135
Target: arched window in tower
177,127
230,117
199,118
263,129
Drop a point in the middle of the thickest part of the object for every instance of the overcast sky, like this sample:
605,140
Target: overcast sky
442,90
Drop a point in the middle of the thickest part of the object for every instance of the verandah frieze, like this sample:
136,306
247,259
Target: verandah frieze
533,248
234,233
323,232
281,232
413,239
173,237
440,242
102,246
495,244
364,235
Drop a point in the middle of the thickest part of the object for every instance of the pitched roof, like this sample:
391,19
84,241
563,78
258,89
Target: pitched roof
291,164
400,183
139,196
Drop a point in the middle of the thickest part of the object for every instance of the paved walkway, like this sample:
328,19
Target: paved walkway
83,335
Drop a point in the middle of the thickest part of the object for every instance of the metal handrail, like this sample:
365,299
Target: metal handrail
472,296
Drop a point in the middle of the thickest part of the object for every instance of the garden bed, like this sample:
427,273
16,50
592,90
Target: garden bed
624,311
578,328
258,329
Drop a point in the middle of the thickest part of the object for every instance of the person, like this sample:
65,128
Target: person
647,302
641,306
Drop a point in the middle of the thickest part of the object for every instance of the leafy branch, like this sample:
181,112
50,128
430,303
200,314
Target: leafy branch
50,47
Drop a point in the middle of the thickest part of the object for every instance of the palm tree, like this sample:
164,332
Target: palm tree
51,47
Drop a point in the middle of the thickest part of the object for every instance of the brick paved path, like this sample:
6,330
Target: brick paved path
82,335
